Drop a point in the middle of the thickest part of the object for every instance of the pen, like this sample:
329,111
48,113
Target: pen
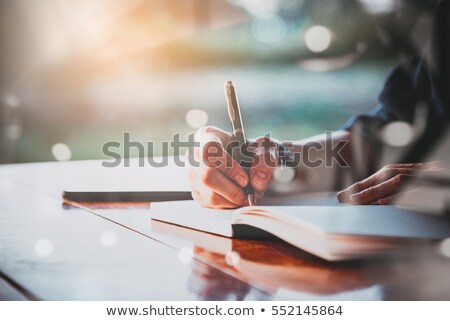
238,132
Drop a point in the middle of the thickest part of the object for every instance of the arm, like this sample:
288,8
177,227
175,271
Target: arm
320,163
218,180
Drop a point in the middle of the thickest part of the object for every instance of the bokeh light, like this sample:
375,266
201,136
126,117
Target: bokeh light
11,100
232,258
397,134
196,118
61,152
283,174
318,38
444,247
186,255
378,6
269,28
258,7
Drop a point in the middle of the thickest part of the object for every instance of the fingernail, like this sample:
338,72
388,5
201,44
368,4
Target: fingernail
241,180
260,180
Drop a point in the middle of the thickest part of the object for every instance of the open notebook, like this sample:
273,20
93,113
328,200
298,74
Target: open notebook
330,232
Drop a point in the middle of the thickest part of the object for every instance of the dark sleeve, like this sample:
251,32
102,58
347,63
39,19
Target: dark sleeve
418,88
398,98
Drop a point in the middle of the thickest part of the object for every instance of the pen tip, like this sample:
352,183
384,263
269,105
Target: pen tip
251,199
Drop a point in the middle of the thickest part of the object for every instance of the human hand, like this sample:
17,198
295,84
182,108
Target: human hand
382,187
217,180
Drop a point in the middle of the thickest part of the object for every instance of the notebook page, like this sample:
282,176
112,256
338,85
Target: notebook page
191,214
384,221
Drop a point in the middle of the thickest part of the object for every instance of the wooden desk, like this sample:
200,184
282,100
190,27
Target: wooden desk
54,252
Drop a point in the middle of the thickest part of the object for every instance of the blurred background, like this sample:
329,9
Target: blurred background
75,74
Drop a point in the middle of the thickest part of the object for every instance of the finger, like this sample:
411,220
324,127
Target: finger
215,155
410,165
434,165
380,191
216,201
198,197
212,153
261,171
211,141
425,167
398,196
259,195
390,199
212,201
205,196
209,179
384,174
264,163
214,180
211,133
387,200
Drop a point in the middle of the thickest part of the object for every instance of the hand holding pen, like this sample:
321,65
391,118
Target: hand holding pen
219,181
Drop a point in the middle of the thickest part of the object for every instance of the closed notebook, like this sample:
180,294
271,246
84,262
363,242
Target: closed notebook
331,232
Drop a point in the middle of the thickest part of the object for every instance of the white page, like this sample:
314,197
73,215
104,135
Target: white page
193,215
371,220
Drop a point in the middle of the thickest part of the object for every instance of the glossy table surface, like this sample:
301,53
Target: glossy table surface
55,251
